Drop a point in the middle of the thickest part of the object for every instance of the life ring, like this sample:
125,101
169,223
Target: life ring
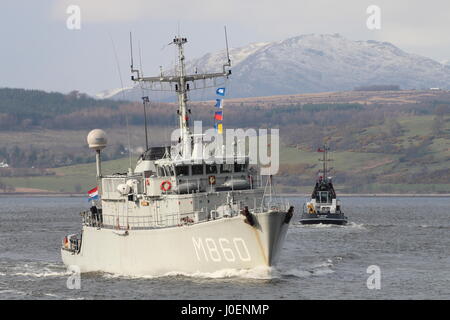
212,179
147,182
166,185
311,209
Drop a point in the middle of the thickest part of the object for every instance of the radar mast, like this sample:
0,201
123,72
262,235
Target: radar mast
181,81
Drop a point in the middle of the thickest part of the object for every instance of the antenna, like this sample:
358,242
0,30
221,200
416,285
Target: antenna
226,44
140,58
123,95
145,100
131,58
131,50
228,64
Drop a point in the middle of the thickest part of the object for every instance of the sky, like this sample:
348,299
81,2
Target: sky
39,51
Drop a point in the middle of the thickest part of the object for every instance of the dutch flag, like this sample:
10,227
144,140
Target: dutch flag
93,194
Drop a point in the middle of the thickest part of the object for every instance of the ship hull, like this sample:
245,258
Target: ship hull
227,243
323,221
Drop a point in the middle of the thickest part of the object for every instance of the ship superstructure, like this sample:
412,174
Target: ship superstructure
184,208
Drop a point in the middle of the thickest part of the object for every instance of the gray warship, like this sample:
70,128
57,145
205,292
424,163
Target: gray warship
323,207
177,211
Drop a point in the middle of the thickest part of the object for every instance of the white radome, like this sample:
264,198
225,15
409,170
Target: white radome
96,139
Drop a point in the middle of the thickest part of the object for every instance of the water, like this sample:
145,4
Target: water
408,238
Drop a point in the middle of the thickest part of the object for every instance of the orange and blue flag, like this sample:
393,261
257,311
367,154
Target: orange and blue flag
218,115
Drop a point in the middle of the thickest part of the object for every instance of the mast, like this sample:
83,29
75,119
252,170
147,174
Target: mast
181,81
325,161
182,96
145,100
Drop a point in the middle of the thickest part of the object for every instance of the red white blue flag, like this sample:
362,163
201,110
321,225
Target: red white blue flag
93,194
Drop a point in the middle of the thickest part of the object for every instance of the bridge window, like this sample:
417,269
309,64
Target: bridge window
182,170
169,170
197,169
211,168
226,168
324,197
239,167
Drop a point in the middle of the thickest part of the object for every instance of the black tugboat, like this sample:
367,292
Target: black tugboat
323,207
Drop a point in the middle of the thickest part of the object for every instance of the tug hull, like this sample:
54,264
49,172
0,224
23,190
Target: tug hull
337,219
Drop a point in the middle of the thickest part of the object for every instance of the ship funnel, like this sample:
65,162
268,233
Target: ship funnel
97,141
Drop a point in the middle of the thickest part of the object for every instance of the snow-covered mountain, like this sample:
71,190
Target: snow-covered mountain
320,63
113,93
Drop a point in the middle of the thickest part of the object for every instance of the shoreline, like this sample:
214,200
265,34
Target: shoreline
287,195
376,195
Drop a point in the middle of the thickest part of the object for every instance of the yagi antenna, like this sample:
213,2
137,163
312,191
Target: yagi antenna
131,50
228,64
226,44
131,58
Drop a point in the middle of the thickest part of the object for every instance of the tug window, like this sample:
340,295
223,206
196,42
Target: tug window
211,168
226,168
197,169
324,197
182,170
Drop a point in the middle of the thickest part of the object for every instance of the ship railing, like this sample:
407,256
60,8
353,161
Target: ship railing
271,207
91,219
73,243
126,222
136,222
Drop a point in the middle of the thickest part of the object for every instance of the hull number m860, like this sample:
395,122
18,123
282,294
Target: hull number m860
217,250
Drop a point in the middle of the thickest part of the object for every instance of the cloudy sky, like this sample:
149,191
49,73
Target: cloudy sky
38,50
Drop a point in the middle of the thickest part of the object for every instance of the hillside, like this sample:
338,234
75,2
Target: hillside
382,141
22,109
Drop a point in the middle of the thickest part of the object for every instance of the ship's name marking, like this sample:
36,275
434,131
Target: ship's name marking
216,250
